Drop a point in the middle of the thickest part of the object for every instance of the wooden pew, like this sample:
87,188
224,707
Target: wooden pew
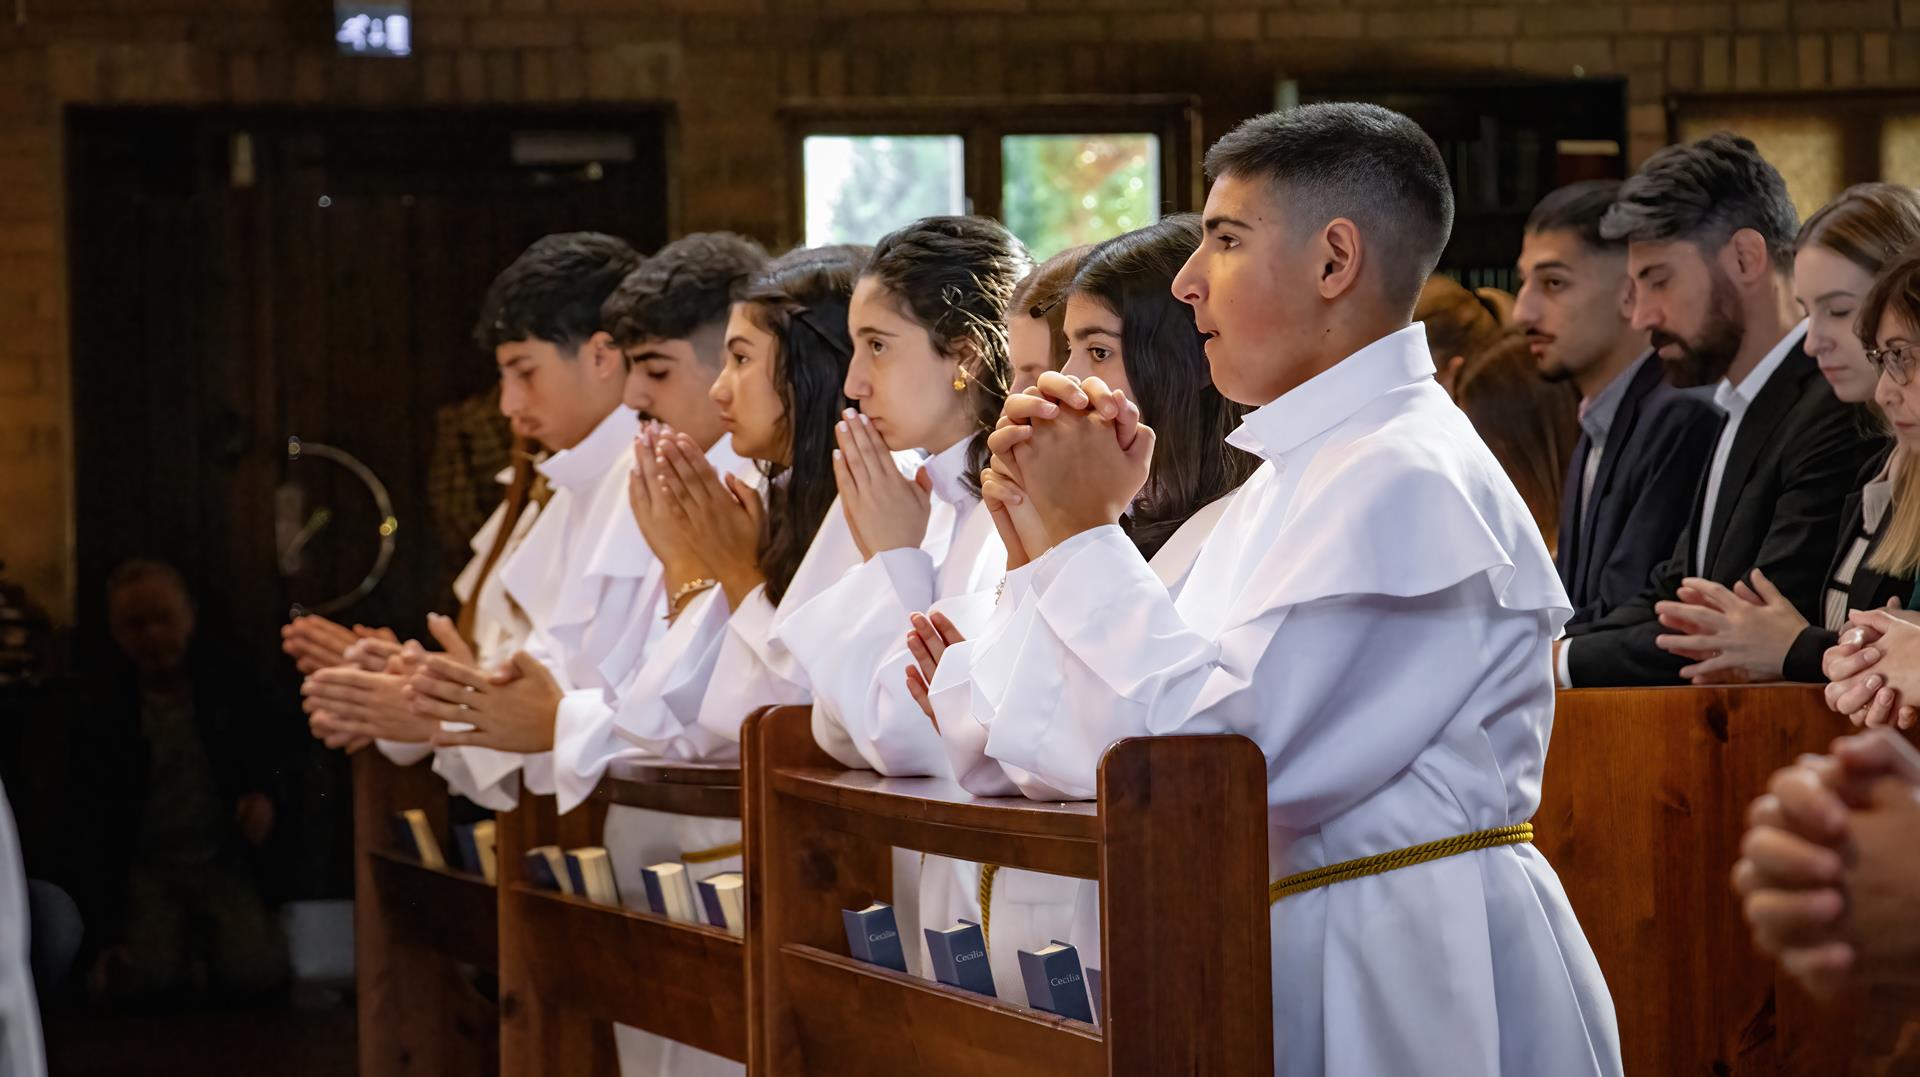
571,968
1642,813
419,934
1179,836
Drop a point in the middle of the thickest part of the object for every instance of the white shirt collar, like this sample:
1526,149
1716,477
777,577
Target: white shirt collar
587,462
948,470
1733,397
1334,395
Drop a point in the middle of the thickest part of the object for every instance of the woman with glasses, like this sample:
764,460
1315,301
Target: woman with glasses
1750,632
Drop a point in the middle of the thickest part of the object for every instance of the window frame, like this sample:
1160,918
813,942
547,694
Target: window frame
1861,116
981,122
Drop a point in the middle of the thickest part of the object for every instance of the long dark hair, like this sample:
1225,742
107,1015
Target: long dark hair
1530,424
956,277
801,298
1166,362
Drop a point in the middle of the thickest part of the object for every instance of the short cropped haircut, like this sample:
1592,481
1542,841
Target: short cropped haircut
1703,193
687,286
1371,165
553,291
1578,208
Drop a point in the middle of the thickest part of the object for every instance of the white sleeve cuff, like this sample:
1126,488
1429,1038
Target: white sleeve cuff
1563,665
404,753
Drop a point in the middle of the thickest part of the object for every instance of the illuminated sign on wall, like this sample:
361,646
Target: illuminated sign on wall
366,29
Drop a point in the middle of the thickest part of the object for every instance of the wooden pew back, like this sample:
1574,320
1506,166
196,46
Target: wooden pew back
571,968
1642,814
1178,838
414,929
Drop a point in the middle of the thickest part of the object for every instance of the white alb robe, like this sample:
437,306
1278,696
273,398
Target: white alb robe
601,611
499,629
1029,909
850,639
22,1052
1374,610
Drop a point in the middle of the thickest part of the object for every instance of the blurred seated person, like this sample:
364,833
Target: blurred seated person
1459,324
1530,424
181,774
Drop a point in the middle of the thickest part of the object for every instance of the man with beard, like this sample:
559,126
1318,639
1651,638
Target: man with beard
1709,233
1643,443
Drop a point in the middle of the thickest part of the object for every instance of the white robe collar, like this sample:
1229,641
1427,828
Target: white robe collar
948,470
585,463
1334,395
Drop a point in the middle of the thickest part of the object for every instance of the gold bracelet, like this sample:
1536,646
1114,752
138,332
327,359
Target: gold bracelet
688,590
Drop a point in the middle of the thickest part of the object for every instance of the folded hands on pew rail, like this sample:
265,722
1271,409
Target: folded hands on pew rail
1827,878
1873,673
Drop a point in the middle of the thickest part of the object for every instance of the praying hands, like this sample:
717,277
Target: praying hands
511,709
1874,672
700,523
1826,875
1078,452
885,509
1733,635
364,697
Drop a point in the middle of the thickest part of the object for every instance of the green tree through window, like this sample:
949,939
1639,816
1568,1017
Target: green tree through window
1059,191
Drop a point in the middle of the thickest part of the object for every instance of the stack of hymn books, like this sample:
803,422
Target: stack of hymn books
1054,981
547,869
414,838
670,892
959,955
584,872
874,937
474,842
725,898
591,873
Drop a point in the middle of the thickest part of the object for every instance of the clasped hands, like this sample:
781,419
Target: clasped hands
1068,455
1873,673
699,523
1826,875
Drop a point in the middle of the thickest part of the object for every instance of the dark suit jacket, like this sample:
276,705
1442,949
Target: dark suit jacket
1787,477
1868,590
1658,447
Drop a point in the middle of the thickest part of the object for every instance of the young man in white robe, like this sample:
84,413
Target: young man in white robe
561,386
1374,610
594,590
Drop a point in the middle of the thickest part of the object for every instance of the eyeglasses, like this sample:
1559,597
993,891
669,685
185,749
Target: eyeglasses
1897,361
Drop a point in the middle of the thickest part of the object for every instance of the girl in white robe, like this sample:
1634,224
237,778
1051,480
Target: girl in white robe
929,372
1124,326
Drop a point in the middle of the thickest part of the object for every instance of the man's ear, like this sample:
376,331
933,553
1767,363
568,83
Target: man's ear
606,359
1340,254
1626,298
1745,256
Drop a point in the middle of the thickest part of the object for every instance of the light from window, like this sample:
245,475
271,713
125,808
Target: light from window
1059,191
1803,146
860,187
1900,149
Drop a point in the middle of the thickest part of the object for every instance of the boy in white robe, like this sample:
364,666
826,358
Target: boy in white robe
594,591
1374,610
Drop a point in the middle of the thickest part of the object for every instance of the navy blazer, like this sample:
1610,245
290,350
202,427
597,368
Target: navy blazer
1787,478
1660,443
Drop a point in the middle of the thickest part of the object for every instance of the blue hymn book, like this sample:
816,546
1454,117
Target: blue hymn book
959,956
1054,982
873,937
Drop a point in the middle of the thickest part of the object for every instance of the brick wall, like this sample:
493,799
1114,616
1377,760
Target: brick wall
726,64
